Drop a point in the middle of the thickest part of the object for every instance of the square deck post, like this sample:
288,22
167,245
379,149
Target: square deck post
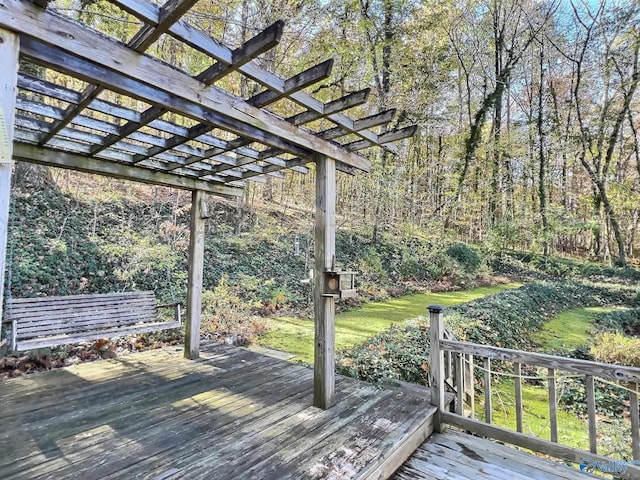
324,307
436,363
9,44
196,268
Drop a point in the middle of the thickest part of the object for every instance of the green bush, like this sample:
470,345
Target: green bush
466,256
626,321
225,317
610,400
617,348
528,265
401,353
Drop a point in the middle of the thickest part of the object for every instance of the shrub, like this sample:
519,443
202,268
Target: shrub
371,266
617,348
227,318
610,400
466,256
528,265
626,321
401,353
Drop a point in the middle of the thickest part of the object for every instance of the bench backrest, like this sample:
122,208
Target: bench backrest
67,315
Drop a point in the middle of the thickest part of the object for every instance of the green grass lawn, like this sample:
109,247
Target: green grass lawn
295,335
568,330
572,430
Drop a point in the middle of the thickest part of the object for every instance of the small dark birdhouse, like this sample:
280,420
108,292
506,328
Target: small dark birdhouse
340,284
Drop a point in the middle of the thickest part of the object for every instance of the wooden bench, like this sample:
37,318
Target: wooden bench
51,321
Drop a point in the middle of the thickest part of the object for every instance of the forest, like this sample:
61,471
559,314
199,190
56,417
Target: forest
527,112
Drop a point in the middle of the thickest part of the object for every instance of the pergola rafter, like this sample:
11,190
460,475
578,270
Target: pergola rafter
138,118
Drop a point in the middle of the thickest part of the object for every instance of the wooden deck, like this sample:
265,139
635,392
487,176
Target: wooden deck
453,455
231,414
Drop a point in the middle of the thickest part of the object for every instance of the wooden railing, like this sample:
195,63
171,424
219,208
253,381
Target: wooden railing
452,365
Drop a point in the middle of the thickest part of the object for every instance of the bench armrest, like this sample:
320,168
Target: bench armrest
178,310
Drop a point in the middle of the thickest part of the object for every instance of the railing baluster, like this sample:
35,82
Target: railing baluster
487,390
470,385
517,367
591,408
459,383
553,414
635,421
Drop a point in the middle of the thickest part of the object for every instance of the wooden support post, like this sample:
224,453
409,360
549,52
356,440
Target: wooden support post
196,267
459,383
436,363
9,43
324,307
470,384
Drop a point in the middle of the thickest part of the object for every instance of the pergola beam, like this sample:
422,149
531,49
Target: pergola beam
294,84
158,83
388,137
246,52
371,121
80,162
169,14
335,106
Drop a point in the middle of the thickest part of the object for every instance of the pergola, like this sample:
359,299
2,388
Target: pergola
186,132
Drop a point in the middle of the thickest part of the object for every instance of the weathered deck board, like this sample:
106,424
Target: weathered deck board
231,414
456,455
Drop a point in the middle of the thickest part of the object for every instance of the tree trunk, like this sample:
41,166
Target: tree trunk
542,188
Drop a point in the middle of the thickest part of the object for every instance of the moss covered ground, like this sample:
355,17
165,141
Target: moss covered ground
295,335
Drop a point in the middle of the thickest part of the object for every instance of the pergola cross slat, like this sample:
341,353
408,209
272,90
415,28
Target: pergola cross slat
143,39
149,13
249,50
262,99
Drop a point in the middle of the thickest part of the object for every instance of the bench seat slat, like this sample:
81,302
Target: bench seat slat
142,315
107,333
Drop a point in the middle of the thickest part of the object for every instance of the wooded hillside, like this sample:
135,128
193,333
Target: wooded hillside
528,112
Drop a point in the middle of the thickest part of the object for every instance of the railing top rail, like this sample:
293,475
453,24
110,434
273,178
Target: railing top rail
573,365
